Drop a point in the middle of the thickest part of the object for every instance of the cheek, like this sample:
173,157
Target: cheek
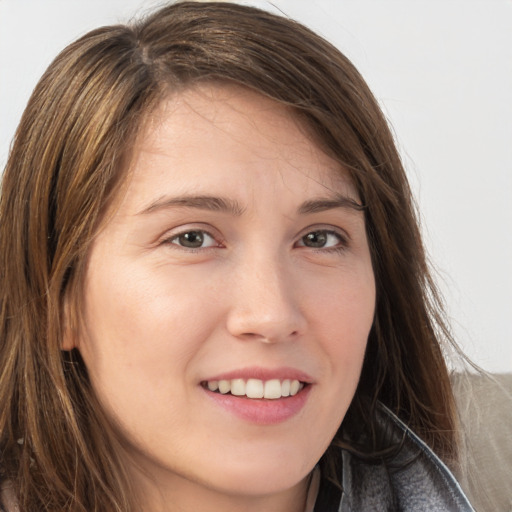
342,320
347,308
141,326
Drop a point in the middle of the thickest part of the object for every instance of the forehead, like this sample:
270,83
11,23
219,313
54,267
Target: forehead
211,133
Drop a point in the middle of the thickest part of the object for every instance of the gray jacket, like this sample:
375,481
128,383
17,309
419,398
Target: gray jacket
416,480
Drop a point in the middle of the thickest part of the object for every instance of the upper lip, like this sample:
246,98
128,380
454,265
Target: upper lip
256,372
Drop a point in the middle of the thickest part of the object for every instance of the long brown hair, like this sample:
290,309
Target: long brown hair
67,164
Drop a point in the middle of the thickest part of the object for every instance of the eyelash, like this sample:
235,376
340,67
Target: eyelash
202,232
340,247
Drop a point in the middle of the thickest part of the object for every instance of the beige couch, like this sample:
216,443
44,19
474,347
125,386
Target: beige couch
485,404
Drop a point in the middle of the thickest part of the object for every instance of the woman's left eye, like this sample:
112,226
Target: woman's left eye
194,239
322,239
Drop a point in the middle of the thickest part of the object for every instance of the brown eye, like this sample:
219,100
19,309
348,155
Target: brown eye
194,240
315,239
321,239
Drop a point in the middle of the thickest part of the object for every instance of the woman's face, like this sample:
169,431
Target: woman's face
235,260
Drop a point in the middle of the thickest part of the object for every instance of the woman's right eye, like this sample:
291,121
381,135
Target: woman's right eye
194,239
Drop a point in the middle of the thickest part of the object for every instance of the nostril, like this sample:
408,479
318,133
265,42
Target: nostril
252,336
268,338
266,323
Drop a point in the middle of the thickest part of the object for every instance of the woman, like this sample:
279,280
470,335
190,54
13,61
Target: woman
214,292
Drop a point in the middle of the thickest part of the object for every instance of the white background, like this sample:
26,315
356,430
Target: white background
442,70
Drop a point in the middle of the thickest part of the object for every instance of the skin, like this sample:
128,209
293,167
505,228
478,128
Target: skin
160,318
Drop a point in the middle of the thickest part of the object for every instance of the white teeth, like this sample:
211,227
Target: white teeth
285,388
224,386
294,387
213,385
238,387
256,388
272,389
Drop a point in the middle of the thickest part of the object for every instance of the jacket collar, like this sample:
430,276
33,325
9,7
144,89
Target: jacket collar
415,480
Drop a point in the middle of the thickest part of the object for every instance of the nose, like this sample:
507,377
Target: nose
266,303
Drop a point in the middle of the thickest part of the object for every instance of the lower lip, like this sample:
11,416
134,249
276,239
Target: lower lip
261,411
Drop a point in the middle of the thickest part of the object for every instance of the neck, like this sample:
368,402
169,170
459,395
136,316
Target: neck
184,495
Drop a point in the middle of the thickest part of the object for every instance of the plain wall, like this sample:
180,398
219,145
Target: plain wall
442,70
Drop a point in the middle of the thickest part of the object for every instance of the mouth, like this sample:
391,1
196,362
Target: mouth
272,389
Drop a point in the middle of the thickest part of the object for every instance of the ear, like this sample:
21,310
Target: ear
69,325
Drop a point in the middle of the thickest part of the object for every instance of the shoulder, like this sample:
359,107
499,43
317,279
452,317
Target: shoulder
415,480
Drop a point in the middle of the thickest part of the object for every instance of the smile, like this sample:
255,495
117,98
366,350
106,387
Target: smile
255,388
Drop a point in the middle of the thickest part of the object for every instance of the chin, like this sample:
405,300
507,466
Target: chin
262,476
256,483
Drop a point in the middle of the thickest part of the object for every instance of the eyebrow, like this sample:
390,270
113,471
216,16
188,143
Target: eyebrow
217,204
321,205
222,204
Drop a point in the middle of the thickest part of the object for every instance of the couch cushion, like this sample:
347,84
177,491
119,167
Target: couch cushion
485,407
